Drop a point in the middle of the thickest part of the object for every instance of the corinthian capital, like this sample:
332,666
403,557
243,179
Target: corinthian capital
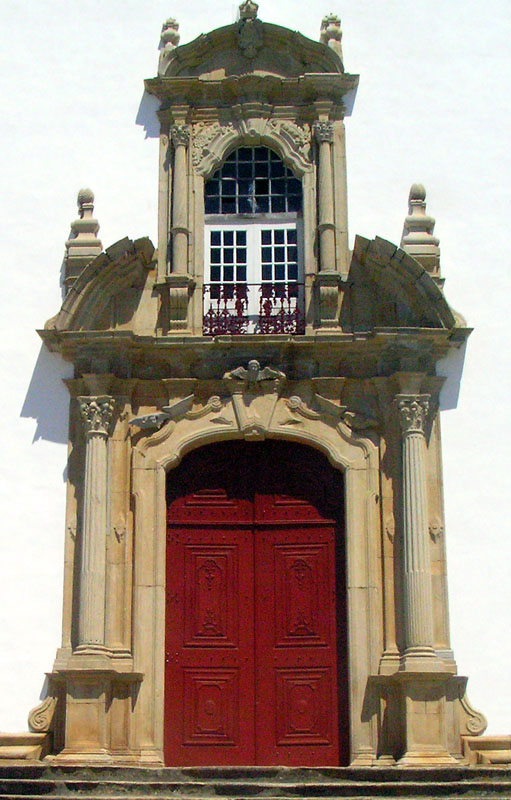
324,131
413,411
180,135
96,413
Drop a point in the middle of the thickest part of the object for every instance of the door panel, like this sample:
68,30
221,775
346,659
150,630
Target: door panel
210,647
296,677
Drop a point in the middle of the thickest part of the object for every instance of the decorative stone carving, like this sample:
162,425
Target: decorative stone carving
211,141
178,410
180,135
417,238
253,375
324,131
327,288
331,33
169,40
413,412
436,529
96,414
40,719
250,30
83,245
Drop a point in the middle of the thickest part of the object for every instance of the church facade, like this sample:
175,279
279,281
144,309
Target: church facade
255,568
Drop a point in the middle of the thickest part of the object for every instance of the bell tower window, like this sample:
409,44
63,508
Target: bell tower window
254,275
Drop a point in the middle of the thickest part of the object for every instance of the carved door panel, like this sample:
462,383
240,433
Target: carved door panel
209,689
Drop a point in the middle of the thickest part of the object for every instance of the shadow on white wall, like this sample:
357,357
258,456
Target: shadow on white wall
47,399
146,115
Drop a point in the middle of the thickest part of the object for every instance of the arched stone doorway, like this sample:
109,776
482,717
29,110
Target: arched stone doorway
256,624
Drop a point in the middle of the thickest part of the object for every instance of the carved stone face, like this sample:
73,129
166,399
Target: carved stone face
253,367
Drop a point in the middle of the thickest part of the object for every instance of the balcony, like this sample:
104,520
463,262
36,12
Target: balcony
241,308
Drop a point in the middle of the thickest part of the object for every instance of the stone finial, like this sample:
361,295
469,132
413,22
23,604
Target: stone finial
248,10
83,245
331,33
169,40
417,238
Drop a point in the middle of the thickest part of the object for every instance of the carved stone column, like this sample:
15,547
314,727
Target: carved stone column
413,411
324,132
180,139
96,413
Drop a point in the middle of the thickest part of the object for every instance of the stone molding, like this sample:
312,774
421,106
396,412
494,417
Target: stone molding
324,131
96,414
210,142
40,719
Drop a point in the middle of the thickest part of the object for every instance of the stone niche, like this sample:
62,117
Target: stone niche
356,382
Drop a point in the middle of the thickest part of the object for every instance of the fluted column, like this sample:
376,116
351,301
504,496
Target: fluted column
180,139
96,413
413,411
324,132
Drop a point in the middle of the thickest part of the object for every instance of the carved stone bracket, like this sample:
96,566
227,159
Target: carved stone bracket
96,414
255,393
324,408
324,131
436,529
40,719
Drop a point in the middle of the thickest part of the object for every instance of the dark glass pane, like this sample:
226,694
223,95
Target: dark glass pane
228,273
262,187
215,292
231,157
291,236
294,203
241,237
260,154
261,169
241,274
211,188
244,154
280,253
229,170
215,255
228,255
228,237
280,272
215,274
245,205
228,187
266,272
278,187
212,205
279,237
263,205
244,187
292,253
228,206
274,156
277,169
278,203
266,237
216,238
292,272
245,170
241,255
266,254
294,186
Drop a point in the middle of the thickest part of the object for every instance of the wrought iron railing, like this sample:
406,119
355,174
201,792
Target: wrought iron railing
237,308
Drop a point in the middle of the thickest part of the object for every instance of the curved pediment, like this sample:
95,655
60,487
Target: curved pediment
108,292
250,46
389,288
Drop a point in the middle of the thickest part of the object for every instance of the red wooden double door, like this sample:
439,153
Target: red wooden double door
255,617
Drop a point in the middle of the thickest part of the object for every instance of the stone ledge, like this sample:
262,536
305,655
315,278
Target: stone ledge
23,746
487,749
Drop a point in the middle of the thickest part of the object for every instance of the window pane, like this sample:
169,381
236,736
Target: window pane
215,255
266,237
229,206
263,205
291,236
229,255
241,255
241,274
229,237
241,237
261,153
280,254
261,169
266,272
292,253
292,272
229,170
245,205
280,272
278,204
245,170
215,274
244,154
266,255
212,205
211,188
279,236
294,203
228,274
216,238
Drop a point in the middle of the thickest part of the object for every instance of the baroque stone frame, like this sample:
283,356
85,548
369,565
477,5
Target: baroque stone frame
278,417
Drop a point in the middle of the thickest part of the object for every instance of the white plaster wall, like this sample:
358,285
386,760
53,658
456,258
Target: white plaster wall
432,107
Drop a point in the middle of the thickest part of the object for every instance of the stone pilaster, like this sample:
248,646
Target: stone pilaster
413,411
96,413
324,132
180,139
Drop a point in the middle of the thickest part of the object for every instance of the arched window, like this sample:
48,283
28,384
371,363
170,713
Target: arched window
254,276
